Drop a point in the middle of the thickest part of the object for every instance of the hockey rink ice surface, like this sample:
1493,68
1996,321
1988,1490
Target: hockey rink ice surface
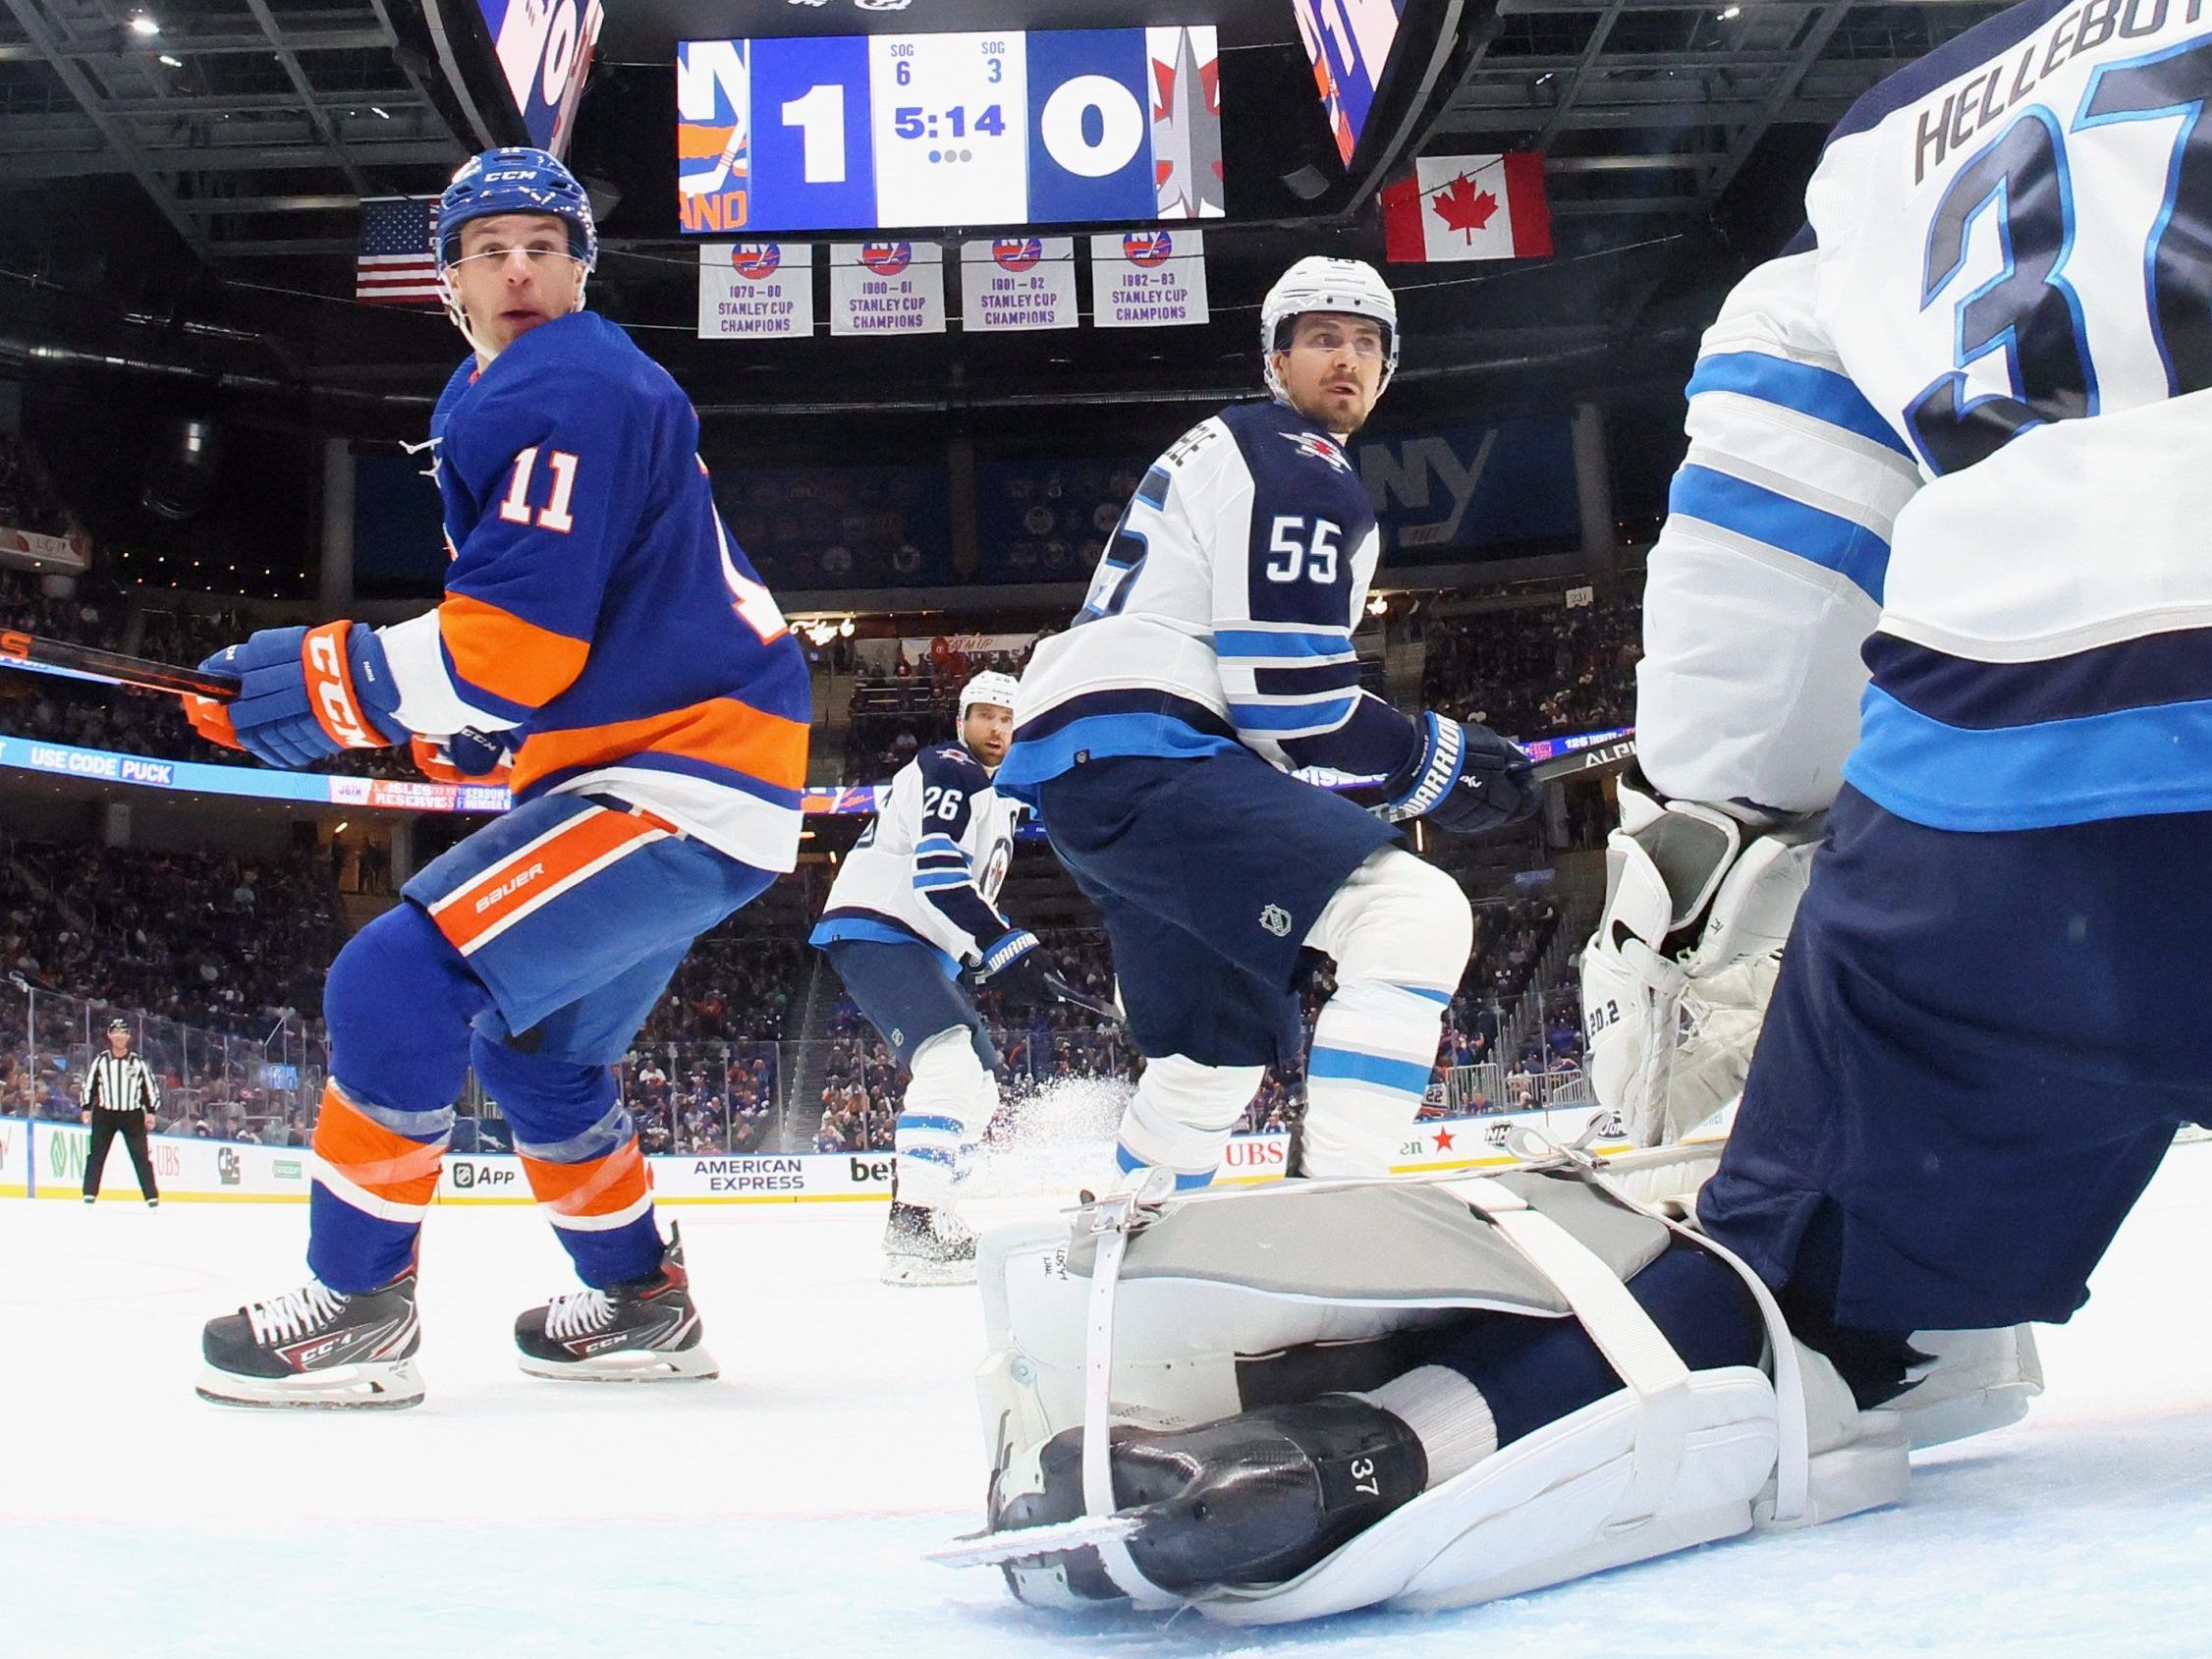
782,1510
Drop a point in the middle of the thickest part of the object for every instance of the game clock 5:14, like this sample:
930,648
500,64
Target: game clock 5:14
881,131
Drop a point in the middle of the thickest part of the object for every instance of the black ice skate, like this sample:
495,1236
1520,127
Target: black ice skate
315,1347
1255,1498
926,1245
645,1330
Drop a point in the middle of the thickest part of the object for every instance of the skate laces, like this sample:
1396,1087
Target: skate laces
579,1314
293,1313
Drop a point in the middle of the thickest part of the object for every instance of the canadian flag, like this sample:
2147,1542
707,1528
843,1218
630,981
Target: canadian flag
1468,207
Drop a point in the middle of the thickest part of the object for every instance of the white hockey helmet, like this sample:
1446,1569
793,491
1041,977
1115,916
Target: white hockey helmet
994,690
1318,283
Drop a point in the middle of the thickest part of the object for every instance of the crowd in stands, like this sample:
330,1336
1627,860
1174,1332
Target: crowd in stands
27,501
95,716
896,711
1535,670
703,1077
211,955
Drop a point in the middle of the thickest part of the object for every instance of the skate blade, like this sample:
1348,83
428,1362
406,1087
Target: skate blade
1025,1543
919,1272
389,1387
688,1364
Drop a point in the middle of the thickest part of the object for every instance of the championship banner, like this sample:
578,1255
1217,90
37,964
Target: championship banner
887,288
756,290
1148,279
1017,283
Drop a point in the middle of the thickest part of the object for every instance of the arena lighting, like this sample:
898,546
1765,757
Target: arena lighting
341,829
144,28
1732,14
172,62
1378,606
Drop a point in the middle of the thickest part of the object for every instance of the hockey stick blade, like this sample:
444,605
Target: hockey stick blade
139,674
1022,1543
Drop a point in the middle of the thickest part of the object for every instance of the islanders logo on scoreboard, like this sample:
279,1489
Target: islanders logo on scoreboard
1148,247
1016,253
755,261
887,258
713,152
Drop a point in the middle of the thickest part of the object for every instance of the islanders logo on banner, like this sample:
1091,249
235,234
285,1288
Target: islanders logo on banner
1016,253
755,260
887,258
1148,247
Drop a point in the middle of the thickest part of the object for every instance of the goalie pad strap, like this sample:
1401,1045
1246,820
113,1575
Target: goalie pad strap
1111,1218
1631,1341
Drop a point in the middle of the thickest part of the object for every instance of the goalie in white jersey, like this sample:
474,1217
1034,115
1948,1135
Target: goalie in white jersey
1929,643
918,901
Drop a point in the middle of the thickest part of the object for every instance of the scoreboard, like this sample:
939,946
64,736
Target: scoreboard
885,131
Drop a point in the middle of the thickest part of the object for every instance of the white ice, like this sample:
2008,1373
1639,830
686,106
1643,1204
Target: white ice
783,1509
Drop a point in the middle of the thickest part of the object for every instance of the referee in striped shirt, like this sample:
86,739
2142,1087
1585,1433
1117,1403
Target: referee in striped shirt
120,1097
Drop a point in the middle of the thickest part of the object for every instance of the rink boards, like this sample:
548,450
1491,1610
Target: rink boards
46,1160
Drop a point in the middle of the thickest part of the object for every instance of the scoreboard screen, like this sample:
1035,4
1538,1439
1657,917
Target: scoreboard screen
883,131
1347,42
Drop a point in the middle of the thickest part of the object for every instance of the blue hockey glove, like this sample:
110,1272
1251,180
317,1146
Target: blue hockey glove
1017,966
305,693
1466,779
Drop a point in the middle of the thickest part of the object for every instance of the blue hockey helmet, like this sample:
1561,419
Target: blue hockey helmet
516,180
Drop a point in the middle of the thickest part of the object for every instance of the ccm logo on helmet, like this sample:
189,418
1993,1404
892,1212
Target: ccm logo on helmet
332,700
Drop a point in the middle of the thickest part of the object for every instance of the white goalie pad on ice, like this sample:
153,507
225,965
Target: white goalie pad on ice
1176,1317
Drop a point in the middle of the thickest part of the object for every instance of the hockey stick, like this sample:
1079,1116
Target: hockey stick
138,673
1598,757
1068,993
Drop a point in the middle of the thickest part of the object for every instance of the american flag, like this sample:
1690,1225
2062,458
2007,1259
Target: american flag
397,265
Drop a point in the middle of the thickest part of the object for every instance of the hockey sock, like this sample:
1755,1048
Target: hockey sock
1182,1115
580,1153
935,1133
1446,1413
1374,1048
1529,1372
375,1169
399,1000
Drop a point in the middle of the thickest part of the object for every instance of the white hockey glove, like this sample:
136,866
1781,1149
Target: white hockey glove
1676,979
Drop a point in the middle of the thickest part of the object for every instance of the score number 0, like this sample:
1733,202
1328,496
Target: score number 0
819,115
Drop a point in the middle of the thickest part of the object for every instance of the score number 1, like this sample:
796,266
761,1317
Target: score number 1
819,115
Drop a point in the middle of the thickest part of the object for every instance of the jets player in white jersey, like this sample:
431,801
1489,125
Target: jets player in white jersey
1930,666
1212,657
916,901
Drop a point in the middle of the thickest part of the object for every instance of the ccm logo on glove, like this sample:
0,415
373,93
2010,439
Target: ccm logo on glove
336,706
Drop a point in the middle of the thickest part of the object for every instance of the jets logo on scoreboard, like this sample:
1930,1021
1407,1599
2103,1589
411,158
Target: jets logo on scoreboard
887,258
755,261
1016,253
1148,247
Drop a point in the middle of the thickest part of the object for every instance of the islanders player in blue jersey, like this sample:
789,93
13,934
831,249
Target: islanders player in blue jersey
598,623
1211,659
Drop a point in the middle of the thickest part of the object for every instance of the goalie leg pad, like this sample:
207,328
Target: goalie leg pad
1677,1456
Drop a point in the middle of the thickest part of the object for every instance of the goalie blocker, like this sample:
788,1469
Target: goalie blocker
1258,1380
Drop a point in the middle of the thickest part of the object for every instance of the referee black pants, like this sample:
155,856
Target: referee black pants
106,1126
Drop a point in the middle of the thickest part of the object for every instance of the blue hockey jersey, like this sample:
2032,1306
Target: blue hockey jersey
596,606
